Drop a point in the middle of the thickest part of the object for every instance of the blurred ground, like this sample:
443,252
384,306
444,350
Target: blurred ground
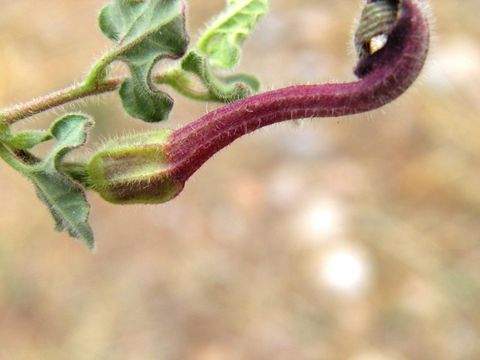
354,239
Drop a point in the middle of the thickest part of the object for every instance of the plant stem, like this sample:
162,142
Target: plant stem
92,86
383,75
96,84
61,97
182,84
12,160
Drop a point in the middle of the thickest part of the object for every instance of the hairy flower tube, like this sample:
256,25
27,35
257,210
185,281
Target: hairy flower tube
153,167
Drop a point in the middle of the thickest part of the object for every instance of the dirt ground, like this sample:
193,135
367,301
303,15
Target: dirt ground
354,239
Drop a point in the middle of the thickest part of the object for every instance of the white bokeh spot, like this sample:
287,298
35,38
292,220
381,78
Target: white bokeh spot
344,270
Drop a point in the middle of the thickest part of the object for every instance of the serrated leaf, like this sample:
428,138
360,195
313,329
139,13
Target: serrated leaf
65,198
145,32
225,89
24,140
222,41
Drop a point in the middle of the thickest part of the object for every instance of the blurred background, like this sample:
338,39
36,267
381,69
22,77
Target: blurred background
354,238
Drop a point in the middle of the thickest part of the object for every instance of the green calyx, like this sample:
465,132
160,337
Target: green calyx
134,170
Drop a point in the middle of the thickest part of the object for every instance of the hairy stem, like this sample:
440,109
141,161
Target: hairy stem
91,87
180,83
384,76
13,160
61,97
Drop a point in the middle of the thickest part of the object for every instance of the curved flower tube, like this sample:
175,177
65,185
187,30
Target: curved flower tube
123,173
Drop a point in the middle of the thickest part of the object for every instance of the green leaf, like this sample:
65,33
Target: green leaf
221,42
25,140
4,129
22,140
225,89
64,197
67,203
220,47
145,31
